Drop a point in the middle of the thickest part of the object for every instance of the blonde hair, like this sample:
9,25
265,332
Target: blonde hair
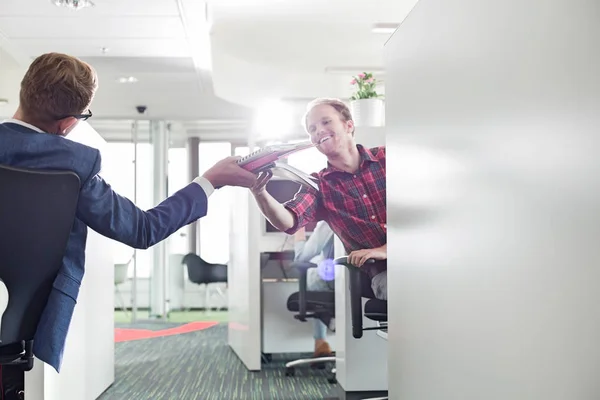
57,85
339,106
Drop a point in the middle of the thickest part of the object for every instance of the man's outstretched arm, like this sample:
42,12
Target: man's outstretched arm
116,217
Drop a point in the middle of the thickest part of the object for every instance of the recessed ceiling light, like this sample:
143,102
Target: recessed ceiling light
127,79
385,28
3,102
73,4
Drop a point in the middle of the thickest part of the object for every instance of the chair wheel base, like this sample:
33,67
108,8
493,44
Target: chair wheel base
290,371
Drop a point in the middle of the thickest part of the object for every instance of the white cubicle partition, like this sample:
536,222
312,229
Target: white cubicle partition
494,201
88,365
244,281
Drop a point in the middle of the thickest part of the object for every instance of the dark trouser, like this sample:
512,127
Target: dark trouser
13,382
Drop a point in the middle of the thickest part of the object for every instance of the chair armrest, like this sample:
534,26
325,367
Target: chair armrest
355,276
17,354
303,268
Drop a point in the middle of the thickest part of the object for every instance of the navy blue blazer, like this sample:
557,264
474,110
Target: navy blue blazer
99,208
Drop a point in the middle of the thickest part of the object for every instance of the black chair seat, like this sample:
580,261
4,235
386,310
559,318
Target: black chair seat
315,301
11,352
376,310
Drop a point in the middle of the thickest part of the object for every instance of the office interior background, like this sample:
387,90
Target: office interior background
490,113
211,75
183,84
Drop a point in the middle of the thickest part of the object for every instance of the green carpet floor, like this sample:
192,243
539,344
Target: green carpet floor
181,317
201,366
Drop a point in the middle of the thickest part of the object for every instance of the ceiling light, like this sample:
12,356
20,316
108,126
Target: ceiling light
127,79
3,102
387,28
73,4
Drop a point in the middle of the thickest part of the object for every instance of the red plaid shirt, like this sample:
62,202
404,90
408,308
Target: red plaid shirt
354,205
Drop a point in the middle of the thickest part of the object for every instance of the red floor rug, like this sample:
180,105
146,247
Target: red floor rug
125,335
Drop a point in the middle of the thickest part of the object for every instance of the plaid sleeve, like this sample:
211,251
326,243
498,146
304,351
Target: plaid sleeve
306,208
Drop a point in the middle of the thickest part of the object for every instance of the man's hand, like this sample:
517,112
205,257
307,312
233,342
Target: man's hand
228,173
359,257
261,182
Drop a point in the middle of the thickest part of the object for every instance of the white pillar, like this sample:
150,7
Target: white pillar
193,172
160,144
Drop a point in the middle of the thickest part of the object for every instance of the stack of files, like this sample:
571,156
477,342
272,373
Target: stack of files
263,159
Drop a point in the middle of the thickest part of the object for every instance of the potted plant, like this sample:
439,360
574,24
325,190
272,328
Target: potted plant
365,104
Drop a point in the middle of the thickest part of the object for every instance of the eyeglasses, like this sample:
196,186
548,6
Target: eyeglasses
83,117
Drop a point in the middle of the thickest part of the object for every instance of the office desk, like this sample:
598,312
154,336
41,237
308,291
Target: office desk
265,326
258,315
280,332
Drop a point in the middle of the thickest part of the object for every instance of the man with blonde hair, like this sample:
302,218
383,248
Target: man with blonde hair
351,195
56,93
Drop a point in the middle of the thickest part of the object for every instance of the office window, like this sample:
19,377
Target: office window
214,227
118,170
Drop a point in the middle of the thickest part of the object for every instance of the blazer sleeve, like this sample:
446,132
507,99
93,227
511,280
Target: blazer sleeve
116,217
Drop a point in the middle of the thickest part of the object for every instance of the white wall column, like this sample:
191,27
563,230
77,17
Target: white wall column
193,171
159,135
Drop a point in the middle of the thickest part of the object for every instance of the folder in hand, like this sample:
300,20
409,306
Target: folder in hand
264,158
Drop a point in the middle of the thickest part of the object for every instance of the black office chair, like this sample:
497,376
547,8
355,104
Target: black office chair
310,304
201,272
37,210
374,309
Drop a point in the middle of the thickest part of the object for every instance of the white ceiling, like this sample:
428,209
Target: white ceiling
152,40
281,49
258,49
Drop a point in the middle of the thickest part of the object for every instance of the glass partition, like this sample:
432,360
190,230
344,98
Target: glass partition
145,162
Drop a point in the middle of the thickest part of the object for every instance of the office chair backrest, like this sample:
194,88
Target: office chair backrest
200,271
37,210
